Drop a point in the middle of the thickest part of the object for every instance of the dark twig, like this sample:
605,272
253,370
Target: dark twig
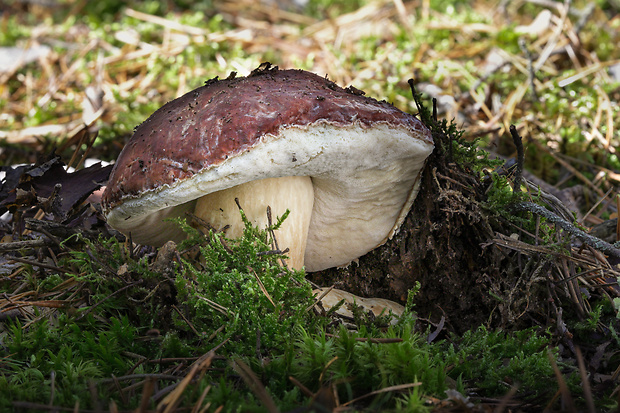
414,93
445,141
40,264
204,223
91,308
588,239
186,321
272,252
520,159
132,377
18,245
43,231
60,231
129,246
275,246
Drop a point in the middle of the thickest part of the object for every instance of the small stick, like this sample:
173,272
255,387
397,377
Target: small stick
275,246
520,159
413,92
618,220
18,245
186,321
262,286
588,239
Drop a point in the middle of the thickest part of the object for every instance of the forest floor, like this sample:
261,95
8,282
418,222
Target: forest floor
509,277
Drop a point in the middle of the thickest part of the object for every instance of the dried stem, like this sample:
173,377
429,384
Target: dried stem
594,242
520,159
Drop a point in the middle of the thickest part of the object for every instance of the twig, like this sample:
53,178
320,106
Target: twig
414,93
216,306
252,381
39,264
306,391
272,252
520,159
319,298
201,400
588,239
169,403
371,340
91,308
186,321
147,392
262,286
18,245
275,246
132,377
398,387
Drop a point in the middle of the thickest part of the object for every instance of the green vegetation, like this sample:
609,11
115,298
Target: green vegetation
238,284
520,359
136,318
105,325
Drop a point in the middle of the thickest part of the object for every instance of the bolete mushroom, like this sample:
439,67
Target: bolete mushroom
345,165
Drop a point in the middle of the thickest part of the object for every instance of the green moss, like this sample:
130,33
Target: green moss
497,361
332,8
14,30
241,286
128,319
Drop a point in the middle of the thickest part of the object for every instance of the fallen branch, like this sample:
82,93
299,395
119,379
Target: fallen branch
588,239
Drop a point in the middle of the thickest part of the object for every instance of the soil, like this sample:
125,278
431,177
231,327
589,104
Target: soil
441,245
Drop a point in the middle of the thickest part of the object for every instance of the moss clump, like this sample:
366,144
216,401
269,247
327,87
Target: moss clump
240,292
496,361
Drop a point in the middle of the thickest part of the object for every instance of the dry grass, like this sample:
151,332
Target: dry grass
559,55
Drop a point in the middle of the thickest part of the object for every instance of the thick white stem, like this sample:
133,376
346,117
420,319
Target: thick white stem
294,193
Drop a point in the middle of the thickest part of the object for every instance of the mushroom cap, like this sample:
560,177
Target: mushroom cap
364,158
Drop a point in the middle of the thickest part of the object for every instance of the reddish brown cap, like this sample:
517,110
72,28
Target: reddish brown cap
202,141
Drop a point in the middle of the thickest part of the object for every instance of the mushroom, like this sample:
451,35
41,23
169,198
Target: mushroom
346,166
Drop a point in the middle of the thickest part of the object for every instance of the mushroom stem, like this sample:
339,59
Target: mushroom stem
294,193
